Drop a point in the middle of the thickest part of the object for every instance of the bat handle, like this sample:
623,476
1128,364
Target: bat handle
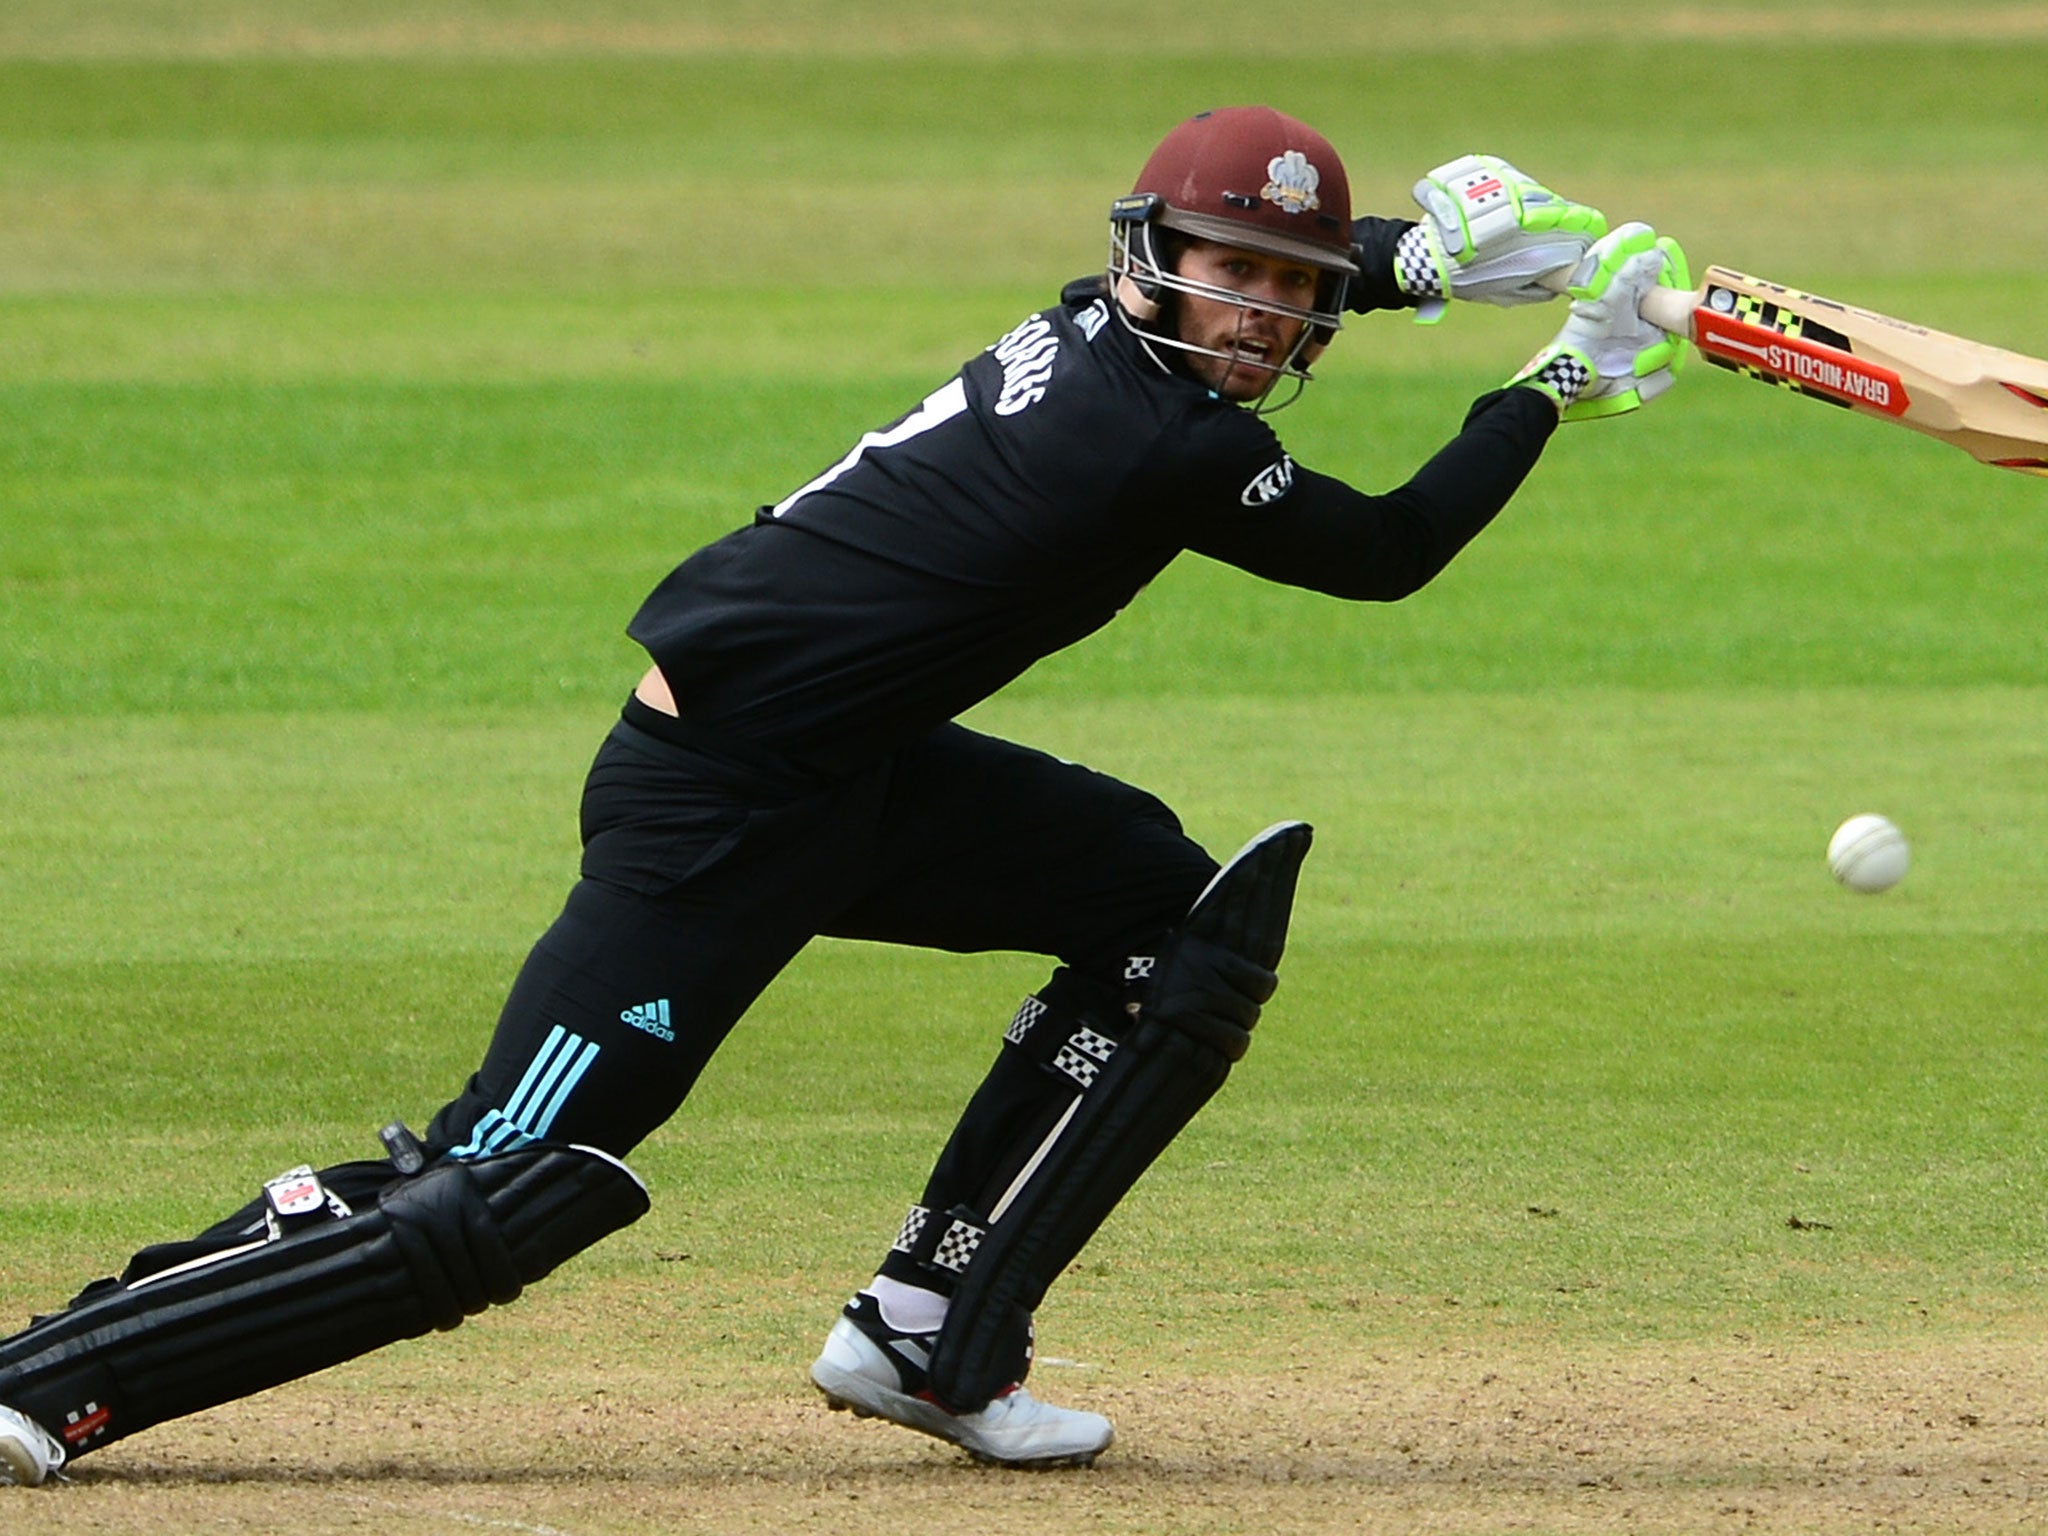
1669,309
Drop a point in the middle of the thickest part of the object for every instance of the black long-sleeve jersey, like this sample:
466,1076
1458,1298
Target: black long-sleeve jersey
1016,510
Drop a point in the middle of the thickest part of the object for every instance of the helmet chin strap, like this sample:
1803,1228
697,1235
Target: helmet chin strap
1132,298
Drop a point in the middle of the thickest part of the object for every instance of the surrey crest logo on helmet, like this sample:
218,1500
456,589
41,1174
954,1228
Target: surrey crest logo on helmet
1291,182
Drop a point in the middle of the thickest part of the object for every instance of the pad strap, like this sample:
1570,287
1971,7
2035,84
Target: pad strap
1073,1047
943,1242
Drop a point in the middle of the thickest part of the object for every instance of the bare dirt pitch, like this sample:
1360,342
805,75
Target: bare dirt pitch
1931,1437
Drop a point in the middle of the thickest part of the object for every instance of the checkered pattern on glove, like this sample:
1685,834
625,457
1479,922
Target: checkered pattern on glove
1418,264
1560,372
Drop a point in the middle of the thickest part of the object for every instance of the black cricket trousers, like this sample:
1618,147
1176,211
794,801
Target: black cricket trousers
706,870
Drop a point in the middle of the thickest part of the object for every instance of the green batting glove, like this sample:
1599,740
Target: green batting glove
1491,234
1607,359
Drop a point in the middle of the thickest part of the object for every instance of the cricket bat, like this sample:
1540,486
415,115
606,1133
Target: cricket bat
1990,403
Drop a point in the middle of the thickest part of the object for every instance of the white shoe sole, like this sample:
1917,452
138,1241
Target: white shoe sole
849,1388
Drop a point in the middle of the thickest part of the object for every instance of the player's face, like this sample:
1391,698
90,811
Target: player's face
1255,342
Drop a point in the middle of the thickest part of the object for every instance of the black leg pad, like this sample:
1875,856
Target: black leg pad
1157,1080
434,1249
1193,1007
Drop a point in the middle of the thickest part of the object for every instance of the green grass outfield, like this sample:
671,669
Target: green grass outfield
360,368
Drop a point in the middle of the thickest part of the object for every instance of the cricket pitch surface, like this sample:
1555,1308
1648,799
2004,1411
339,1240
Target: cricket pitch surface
1930,1436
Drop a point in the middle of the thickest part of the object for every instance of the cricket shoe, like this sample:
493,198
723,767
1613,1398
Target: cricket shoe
28,1452
879,1373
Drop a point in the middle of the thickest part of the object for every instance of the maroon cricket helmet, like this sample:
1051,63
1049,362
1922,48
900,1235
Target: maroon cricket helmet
1248,177
1255,178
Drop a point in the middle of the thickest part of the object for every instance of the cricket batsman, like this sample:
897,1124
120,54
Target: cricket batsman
791,766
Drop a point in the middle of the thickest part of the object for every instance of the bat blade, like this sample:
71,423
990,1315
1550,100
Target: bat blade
1991,403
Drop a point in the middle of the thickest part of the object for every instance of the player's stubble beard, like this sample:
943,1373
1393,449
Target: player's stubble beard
1257,345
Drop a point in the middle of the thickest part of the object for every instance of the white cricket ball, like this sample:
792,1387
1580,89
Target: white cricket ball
1869,854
